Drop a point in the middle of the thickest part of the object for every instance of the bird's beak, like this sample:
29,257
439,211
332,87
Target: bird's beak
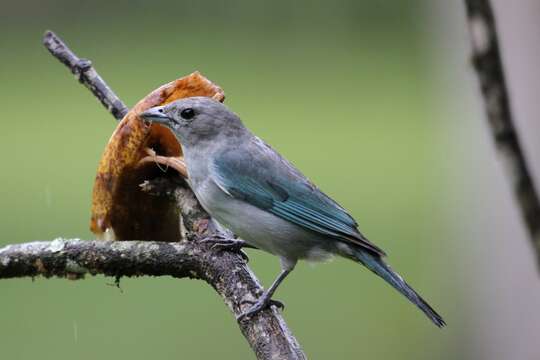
155,114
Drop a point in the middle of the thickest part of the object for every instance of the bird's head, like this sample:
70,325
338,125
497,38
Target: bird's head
196,119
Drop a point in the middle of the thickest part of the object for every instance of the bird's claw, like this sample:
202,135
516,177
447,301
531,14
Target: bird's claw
224,244
261,304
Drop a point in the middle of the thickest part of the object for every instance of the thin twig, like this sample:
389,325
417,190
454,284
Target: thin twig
226,272
86,74
488,64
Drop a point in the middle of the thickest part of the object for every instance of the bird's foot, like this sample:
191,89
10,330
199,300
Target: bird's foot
262,303
165,162
224,244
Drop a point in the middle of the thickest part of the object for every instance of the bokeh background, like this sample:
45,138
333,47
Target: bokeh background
374,100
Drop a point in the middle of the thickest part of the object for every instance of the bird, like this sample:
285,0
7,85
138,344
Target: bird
250,189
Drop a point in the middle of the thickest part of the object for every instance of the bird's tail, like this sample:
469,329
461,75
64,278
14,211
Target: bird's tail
376,264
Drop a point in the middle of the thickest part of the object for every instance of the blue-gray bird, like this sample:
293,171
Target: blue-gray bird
253,191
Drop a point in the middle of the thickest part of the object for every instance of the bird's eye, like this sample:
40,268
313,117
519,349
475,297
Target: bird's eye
188,113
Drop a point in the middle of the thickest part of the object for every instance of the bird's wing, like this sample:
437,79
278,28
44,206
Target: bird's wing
261,177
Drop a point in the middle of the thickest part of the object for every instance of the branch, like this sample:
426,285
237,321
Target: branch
86,74
75,258
487,62
226,272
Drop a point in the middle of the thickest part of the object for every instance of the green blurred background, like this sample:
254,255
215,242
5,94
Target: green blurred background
355,93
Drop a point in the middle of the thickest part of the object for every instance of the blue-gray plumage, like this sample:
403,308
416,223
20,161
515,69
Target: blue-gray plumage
249,188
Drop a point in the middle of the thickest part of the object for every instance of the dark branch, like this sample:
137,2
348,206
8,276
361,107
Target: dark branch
487,62
226,272
86,75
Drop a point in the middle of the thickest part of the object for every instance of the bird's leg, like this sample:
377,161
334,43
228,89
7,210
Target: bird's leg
266,298
228,244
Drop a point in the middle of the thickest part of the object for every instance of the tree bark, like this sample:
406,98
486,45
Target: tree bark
487,61
226,271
